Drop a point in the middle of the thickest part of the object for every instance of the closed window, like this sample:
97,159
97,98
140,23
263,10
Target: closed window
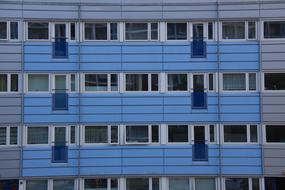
141,82
274,29
142,184
9,184
240,134
9,83
9,26
8,136
101,184
274,81
141,31
274,183
233,30
101,134
37,185
63,184
177,82
101,82
178,134
38,82
239,81
37,135
38,30
3,30
242,184
136,134
179,183
177,31
205,184
275,133
101,31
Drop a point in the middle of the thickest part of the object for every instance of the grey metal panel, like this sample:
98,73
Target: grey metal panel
10,57
189,15
8,10
9,162
10,109
273,55
101,15
274,159
50,14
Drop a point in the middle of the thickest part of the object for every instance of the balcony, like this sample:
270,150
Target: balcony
59,100
200,152
199,100
199,48
60,48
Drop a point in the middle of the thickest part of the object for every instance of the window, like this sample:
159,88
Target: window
8,136
63,184
274,183
37,185
210,31
275,133
205,183
177,82
274,29
233,30
142,183
38,82
142,134
179,183
101,31
177,31
178,134
141,82
64,83
252,30
38,30
274,81
9,83
101,82
239,81
37,135
240,134
72,31
63,135
101,184
11,184
242,184
101,134
141,31
11,26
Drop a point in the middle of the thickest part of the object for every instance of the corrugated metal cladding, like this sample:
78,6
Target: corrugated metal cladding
226,160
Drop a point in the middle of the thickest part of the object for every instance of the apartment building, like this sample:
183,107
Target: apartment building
142,95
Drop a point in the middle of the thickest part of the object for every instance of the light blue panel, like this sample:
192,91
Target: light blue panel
239,117
37,163
44,172
142,109
101,110
100,67
242,161
245,65
38,152
142,58
239,109
239,48
188,109
45,100
240,151
100,162
239,98
142,66
102,118
96,171
48,110
47,58
142,152
238,170
188,66
188,170
46,48
146,170
176,49
59,118
142,118
100,100
109,58
54,66
143,162
239,57
103,152
99,49
193,117
142,99
188,161
142,49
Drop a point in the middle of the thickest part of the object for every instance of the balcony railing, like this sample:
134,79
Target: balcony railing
59,100
60,48
59,154
199,48
200,152
199,100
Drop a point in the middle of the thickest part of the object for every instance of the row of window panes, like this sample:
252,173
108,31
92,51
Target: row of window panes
145,183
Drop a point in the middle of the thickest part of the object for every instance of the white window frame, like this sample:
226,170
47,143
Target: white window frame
256,30
248,178
205,30
67,134
27,83
149,135
25,135
187,32
108,181
207,133
8,30
264,136
67,81
83,88
108,135
9,84
143,177
148,31
51,181
37,40
179,143
263,83
206,81
246,82
262,31
246,30
248,140
108,31
178,91
149,82
8,134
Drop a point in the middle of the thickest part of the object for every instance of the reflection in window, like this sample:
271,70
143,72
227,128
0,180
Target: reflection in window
36,185
177,82
137,134
179,184
235,81
37,135
176,31
233,30
96,31
235,133
178,133
237,183
63,184
274,81
96,134
38,82
38,30
274,29
275,133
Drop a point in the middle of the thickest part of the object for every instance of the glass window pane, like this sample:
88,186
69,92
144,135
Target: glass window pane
96,134
3,83
178,133
211,81
235,133
233,30
198,31
155,133
137,134
72,31
205,184
37,135
95,31
234,81
251,30
36,185
14,30
38,82
10,184
137,184
154,31
38,30
3,135
179,184
252,81
212,133
14,83
63,184
255,184
73,82
114,184
114,134
136,31
60,135
72,134
114,82
154,82
95,184
136,82
177,82
176,31
253,133
13,135
3,30
237,183
274,81
60,83
275,133
155,184
210,31
114,31
96,82
274,29
274,183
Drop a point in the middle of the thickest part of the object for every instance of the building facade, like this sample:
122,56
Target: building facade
142,95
